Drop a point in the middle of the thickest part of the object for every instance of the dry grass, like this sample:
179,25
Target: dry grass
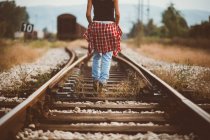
182,52
175,53
16,52
184,42
16,55
176,80
200,90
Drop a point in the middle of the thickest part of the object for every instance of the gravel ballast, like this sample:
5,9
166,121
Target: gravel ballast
187,77
108,103
50,61
93,111
40,134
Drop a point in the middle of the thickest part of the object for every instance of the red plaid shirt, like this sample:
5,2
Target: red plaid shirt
103,37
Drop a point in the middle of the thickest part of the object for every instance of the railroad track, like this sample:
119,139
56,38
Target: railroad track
11,100
136,102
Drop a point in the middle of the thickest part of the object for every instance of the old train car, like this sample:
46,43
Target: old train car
80,30
66,27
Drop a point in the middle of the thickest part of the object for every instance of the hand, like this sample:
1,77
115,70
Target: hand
90,24
89,53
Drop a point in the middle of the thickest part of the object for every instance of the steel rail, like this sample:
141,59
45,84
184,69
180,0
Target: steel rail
7,121
73,56
202,117
195,112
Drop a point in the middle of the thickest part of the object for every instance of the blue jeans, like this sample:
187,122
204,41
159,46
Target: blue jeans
101,66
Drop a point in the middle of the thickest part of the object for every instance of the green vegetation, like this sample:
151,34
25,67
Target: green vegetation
11,18
137,32
174,27
174,23
200,31
45,44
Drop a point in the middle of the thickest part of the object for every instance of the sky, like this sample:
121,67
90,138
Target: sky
179,4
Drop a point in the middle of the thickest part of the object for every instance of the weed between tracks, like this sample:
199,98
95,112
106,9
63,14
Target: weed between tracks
80,86
130,86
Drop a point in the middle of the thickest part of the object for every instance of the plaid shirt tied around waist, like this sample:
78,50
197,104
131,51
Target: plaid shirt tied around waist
103,37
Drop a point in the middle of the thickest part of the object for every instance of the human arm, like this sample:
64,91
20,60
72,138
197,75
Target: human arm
117,12
88,12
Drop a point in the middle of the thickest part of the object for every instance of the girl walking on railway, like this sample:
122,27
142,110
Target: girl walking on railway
103,36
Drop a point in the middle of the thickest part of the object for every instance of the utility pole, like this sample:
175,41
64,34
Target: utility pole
142,11
139,7
139,25
148,10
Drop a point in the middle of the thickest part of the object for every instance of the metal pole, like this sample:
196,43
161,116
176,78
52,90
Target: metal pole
142,11
139,11
148,10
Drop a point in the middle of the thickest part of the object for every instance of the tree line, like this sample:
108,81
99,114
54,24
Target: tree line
11,18
174,25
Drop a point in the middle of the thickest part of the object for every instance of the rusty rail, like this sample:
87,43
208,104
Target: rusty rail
199,119
17,115
201,123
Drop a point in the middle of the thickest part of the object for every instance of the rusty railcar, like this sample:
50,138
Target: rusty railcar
66,27
80,30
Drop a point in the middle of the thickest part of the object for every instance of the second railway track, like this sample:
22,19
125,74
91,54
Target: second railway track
136,101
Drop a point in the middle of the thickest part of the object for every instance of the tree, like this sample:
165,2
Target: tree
150,29
11,18
174,22
200,30
137,32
